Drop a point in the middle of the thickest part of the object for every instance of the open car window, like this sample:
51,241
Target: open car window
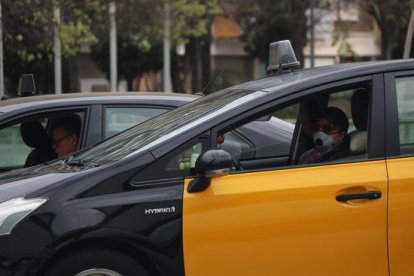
288,136
28,141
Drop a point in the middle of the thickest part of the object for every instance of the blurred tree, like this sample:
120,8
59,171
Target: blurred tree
392,18
140,25
266,21
28,36
133,60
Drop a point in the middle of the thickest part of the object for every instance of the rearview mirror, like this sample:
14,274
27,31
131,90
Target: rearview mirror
210,164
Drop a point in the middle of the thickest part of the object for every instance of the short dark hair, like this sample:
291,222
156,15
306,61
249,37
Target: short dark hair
335,116
71,124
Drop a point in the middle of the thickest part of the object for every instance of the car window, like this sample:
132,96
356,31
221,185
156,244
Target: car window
263,138
118,119
14,150
405,102
178,163
28,141
289,135
12,147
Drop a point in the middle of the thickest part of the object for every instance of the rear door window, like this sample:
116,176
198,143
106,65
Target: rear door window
405,103
118,119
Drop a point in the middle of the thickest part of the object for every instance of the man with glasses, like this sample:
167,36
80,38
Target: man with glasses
65,136
329,136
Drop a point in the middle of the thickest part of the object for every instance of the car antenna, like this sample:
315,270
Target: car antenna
201,93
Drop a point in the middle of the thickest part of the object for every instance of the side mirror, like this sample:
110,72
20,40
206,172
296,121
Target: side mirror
210,164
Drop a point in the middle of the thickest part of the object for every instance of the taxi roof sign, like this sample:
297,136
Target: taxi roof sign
281,57
26,86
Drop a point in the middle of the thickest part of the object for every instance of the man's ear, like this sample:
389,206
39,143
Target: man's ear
75,138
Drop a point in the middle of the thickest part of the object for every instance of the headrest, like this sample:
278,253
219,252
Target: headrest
34,135
359,109
358,141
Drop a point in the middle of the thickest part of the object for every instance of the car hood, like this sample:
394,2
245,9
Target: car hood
21,188
42,179
19,183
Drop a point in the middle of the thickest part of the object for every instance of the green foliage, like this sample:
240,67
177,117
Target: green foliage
392,18
188,19
191,18
340,36
266,21
28,26
140,25
28,32
133,60
28,36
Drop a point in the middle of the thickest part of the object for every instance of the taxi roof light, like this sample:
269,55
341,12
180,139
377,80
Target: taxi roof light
282,58
26,85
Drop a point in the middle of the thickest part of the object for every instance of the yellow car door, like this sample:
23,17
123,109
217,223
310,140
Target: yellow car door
288,222
326,218
400,163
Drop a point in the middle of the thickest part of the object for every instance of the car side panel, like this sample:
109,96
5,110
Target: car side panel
288,222
401,215
145,223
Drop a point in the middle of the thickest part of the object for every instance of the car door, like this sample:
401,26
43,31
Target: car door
400,162
294,219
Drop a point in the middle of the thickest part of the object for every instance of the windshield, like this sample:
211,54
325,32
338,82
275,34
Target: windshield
167,125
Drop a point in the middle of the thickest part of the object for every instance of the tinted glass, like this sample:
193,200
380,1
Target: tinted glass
118,119
168,125
178,163
405,102
12,147
13,150
262,139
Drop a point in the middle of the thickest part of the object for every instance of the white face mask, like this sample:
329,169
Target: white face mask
323,140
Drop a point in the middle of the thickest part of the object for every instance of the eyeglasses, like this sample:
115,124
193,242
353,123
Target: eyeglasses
327,128
56,142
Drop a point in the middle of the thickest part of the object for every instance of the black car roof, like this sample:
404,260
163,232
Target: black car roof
159,98
325,74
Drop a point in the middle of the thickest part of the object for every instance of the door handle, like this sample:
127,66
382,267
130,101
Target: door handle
370,195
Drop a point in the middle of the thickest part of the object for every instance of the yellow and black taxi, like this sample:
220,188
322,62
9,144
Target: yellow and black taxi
167,198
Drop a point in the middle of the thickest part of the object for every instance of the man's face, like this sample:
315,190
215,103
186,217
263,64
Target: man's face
64,143
324,125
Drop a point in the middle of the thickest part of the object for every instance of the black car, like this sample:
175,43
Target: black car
165,198
102,115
